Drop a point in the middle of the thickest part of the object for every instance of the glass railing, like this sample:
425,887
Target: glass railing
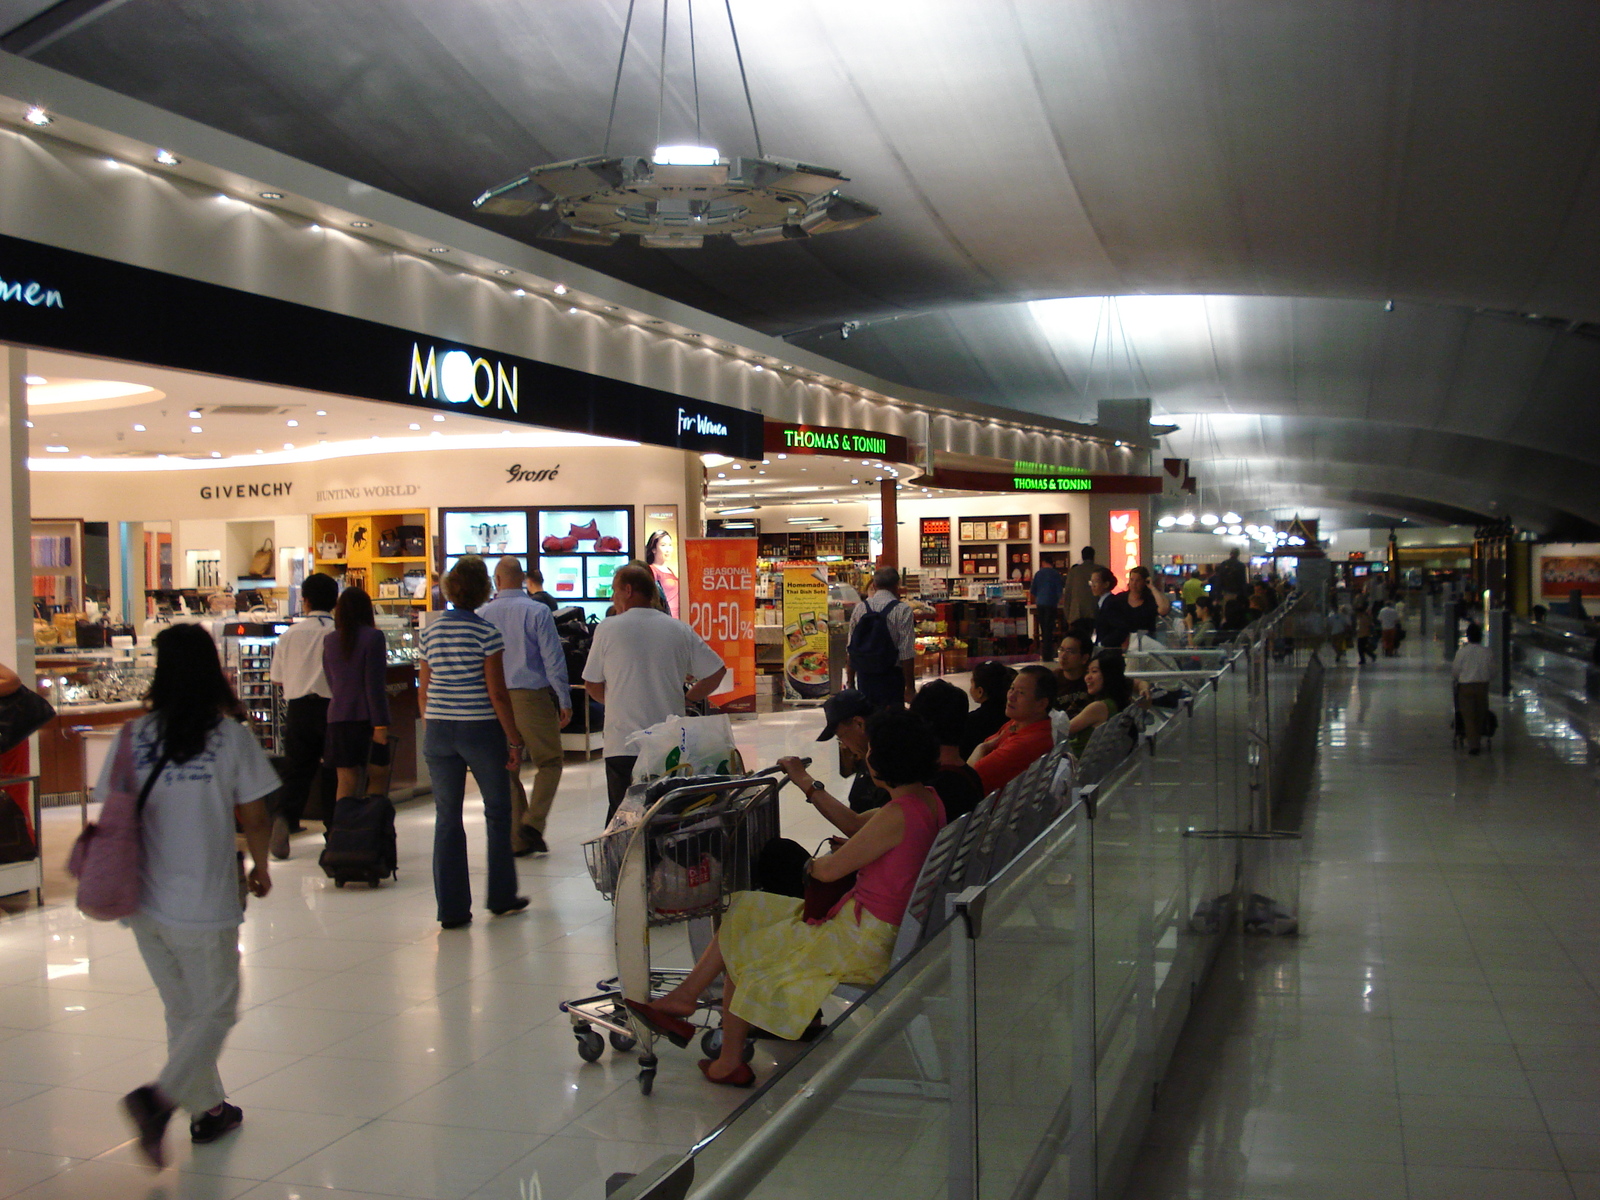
1015,1053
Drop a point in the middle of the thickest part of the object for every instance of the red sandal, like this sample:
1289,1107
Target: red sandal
742,1078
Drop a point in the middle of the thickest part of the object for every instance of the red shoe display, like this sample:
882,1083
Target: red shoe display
609,545
585,533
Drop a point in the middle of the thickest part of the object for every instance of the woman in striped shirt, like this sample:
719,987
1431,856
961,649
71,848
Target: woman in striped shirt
462,691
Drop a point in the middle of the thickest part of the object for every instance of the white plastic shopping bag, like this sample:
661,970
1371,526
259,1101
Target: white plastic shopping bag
683,746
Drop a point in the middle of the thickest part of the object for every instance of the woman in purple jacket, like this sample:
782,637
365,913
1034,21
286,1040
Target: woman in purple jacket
354,658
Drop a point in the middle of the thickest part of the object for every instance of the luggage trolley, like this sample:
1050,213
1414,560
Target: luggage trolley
695,846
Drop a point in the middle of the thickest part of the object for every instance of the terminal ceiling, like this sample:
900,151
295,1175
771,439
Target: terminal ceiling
1257,181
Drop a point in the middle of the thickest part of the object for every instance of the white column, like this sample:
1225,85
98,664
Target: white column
16,601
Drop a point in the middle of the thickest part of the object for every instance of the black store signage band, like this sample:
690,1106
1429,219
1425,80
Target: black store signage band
62,300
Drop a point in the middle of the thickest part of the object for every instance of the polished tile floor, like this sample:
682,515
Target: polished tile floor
376,1055
1435,1032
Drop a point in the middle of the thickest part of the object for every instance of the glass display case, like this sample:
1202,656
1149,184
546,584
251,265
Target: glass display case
120,676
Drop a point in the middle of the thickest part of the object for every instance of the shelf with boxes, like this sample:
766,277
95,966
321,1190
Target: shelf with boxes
387,554
990,628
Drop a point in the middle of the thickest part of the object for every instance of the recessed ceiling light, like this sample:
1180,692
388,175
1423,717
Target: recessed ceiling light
216,454
611,308
194,414
560,289
59,449
37,116
322,412
759,367
413,425
167,158
195,429
438,249
519,292
259,451
438,416
288,445
360,224
270,195
294,424
313,228
29,424
138,428
572,310
502,270
35,380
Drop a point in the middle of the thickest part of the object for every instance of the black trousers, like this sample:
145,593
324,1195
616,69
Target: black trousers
1047,616
305,730
619,775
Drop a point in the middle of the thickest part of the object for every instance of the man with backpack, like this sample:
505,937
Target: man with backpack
883,644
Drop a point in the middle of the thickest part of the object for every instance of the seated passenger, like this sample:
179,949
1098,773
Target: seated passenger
779,968
990,682
943,707
1072,662
1110,691
1027,736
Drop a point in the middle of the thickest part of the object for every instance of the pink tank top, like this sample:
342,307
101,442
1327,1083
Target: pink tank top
884,886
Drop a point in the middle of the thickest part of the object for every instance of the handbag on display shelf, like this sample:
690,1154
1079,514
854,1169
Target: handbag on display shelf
329,546
107,857
390,544
22,714
261,561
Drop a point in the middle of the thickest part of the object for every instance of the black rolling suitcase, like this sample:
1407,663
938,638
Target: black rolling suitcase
361,841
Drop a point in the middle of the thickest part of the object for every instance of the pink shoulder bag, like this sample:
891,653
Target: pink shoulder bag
108,854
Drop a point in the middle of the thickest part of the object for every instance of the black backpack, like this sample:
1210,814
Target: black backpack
872,650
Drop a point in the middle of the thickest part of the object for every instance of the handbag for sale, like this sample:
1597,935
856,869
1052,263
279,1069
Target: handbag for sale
22,714
261,561
413,540
822,898
389,543
107,857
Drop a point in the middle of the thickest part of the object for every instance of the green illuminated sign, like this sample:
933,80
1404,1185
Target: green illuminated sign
1055,483
1034,468
830,439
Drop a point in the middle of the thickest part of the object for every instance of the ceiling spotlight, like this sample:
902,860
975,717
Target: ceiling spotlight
322,412
29,424
270,195
438,416
138,428
195,429
167,158
59,449
288,445
1186,519
572,310
413,425
1232,518
216,454
1168,521
1208,519
360,224
1220,531
438,249
519,292
293,424
37,116
194,414
1235,530
502,270
35,380
560,289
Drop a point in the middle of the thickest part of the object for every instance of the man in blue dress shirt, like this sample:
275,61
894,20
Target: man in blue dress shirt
536,677
1046,590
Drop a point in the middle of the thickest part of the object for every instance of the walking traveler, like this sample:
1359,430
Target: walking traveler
882,648
1339,631
1362,621
1230,577
1389,625
1027,734
779,968
990,682
639,664
1046,590
355,660
1193,589
1108,627
536,681
297,669
1110,691
461,686
1470,673
201,772
1079,596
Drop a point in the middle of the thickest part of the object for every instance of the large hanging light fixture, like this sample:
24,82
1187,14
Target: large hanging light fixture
681,194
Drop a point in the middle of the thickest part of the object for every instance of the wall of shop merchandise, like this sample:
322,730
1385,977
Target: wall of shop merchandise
991,508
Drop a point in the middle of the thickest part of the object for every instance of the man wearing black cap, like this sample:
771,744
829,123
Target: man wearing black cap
846,718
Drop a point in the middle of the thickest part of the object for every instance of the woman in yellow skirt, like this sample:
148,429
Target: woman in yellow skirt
780,968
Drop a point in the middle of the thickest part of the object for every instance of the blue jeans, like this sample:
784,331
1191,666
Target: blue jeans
450,748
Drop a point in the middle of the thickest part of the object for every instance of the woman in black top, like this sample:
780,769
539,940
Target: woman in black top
990,681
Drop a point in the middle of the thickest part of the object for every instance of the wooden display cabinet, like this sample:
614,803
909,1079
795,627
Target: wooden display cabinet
1055,529
347,546
57,546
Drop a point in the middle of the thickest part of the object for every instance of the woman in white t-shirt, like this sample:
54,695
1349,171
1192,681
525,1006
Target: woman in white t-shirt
208,772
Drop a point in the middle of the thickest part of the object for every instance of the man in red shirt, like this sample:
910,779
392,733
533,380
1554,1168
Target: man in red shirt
1026,737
